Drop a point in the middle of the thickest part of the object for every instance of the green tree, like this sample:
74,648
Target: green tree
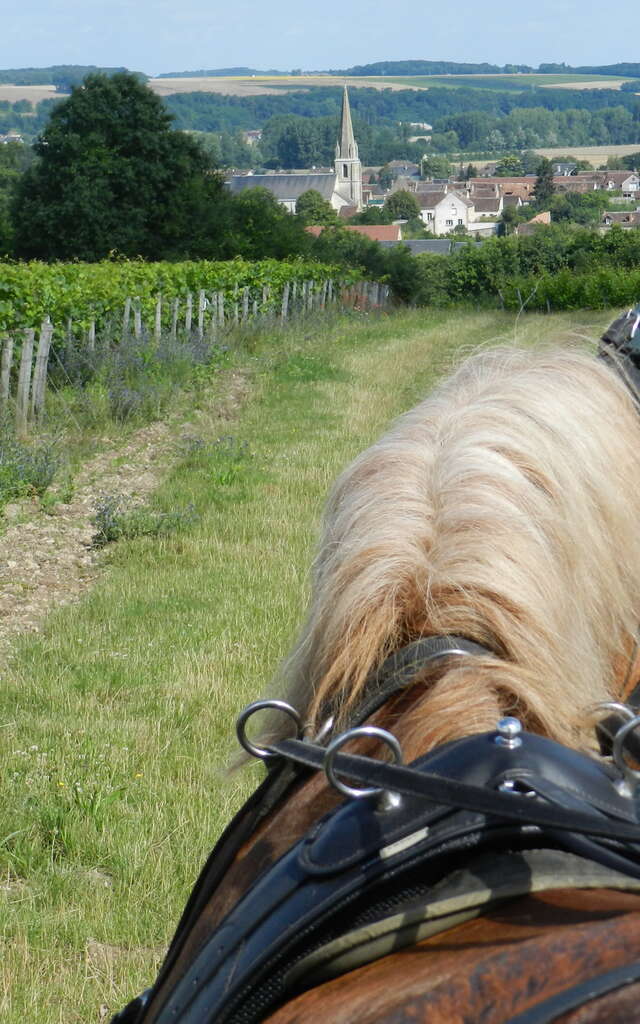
435,166
510,166
402,205
112,174
259,227
544,189
312,208
14,160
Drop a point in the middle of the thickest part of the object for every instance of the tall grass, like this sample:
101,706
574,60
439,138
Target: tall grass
116,722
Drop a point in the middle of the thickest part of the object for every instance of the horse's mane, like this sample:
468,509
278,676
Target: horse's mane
503,508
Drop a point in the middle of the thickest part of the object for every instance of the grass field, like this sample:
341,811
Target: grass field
251,86
116,721
498,82
596,155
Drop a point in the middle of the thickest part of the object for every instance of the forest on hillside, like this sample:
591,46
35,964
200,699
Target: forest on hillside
299,125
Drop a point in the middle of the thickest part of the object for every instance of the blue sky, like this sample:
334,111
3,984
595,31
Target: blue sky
174,35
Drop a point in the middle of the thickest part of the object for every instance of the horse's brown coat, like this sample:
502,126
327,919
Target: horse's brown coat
485,970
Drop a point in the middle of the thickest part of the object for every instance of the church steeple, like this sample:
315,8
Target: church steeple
346,146
347,165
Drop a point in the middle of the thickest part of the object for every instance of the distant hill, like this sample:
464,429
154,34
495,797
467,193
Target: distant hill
220,73
445,67
63,76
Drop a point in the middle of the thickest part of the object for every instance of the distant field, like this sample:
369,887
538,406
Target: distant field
274,84
508,81
33,93
596,155
264,85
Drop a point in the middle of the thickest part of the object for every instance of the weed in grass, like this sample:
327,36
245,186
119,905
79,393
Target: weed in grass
307,367
117,518
26,469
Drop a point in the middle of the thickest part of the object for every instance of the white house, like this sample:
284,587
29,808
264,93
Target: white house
443,211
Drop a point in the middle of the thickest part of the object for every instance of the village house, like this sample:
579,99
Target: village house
628,182
531,225
342,187
11,136
564,169
442,212
252,137
624,219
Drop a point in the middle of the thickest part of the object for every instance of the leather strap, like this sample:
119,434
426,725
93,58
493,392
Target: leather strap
452,793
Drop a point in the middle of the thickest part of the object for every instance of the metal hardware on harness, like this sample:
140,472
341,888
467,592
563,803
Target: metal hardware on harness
261,705
509,730
389,799
631,775
612,705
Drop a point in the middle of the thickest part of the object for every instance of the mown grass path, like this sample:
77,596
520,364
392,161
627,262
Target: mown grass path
116,722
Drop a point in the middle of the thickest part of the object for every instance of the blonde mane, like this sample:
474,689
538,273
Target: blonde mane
504,508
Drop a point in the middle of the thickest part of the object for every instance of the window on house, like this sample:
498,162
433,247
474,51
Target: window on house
460,221
429,216
345,170
449,223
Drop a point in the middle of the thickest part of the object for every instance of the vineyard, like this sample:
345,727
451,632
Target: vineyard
63,306
92,296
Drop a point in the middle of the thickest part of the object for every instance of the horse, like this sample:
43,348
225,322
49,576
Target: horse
474,607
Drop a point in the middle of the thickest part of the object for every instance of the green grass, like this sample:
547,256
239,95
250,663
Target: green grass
116,722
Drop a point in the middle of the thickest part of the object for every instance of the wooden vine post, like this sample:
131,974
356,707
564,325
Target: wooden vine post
24,381
157,327
5,371
40,373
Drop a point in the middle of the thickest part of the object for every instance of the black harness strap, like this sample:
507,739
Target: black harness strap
452,793
399,670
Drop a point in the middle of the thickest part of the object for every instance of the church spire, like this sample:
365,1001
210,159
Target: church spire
347,165
346,147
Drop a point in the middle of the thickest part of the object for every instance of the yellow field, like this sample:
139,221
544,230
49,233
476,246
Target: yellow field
596,155
34,93
264,84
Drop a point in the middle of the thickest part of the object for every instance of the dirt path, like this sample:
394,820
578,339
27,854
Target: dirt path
47,558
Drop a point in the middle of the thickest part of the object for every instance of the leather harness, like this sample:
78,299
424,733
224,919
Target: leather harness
371,858
379,855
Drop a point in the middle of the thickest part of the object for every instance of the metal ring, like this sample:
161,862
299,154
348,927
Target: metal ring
618,749
345,737
612,705
261,705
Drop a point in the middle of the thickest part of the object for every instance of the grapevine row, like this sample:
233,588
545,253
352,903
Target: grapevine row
88,294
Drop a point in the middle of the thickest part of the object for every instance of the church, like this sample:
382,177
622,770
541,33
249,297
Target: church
342,187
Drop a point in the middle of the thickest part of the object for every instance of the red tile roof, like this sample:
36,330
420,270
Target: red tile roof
377,232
